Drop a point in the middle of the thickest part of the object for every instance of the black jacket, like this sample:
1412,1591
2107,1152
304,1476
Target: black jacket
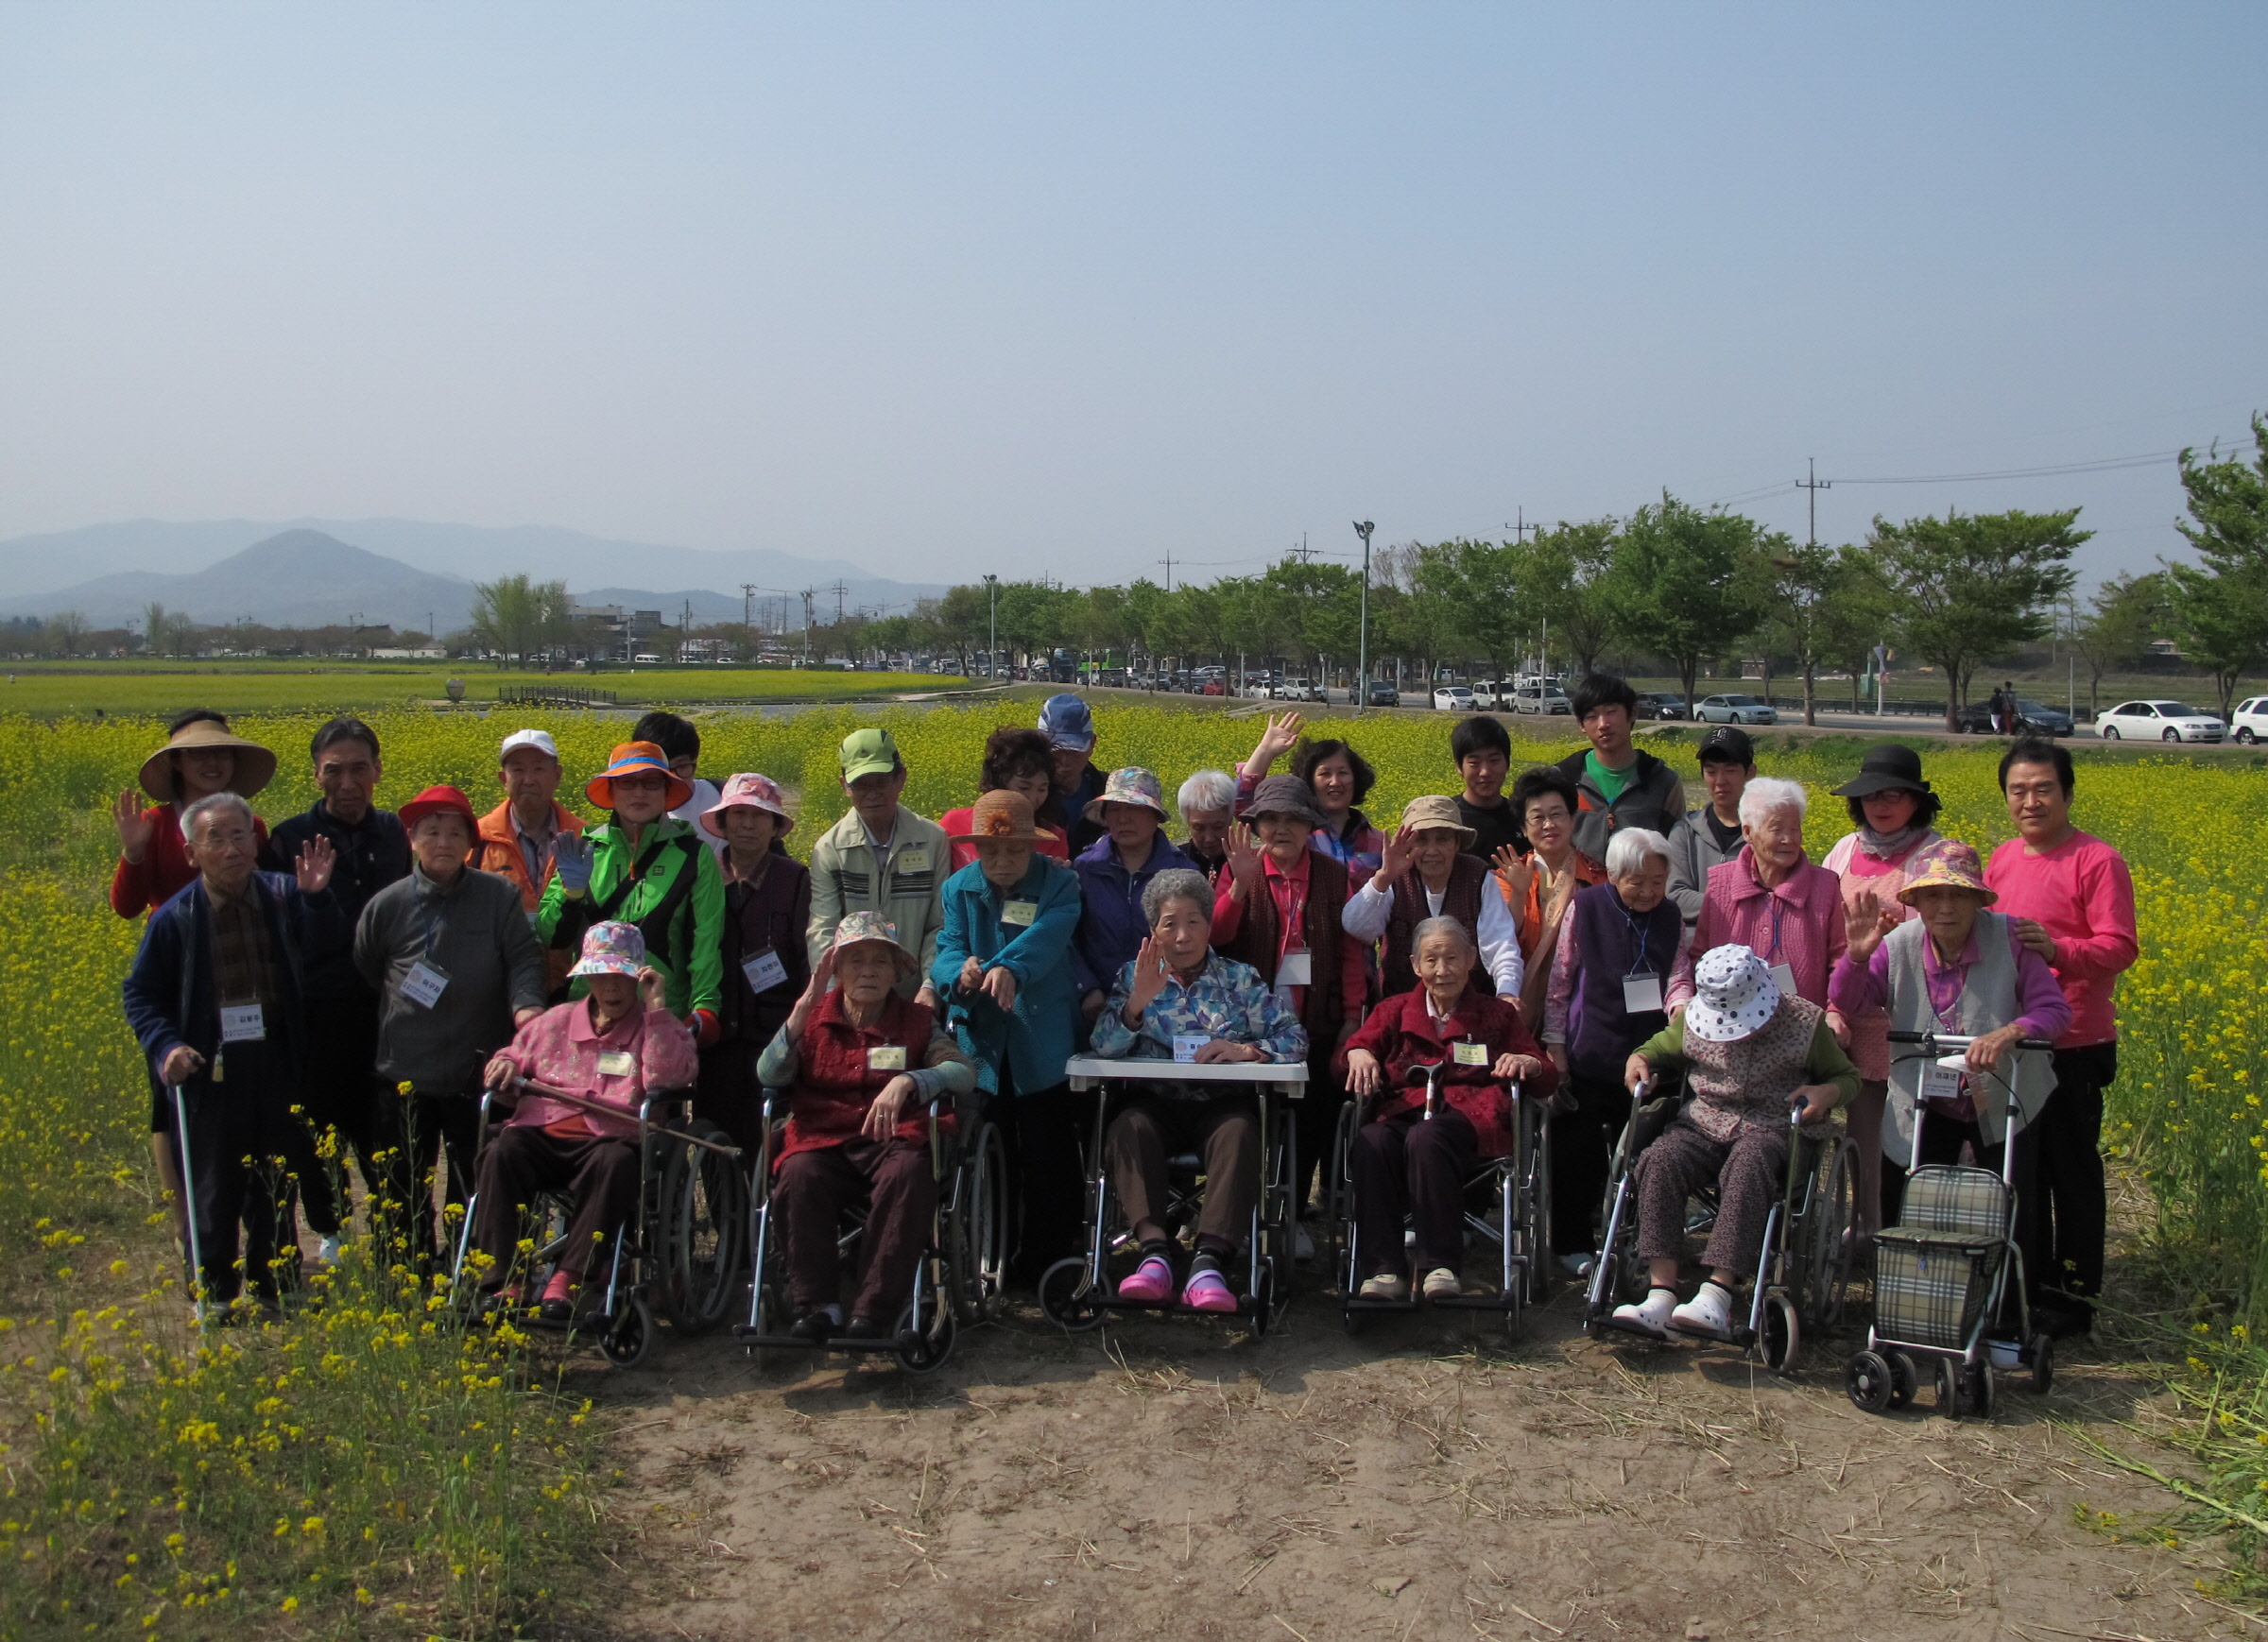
370,856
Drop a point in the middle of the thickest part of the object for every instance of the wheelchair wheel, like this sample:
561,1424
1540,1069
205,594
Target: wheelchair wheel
1866,1381
1905,1380
628,1335
704,1233
1263,1303
2043,1363
1781,1337
925,1352
1065,1296
1825,1259
1338,1193
977,1225
1538,1195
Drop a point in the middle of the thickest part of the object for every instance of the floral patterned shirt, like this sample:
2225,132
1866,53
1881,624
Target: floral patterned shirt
1226,1000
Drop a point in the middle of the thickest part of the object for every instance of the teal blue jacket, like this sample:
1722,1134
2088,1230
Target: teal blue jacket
1039,1036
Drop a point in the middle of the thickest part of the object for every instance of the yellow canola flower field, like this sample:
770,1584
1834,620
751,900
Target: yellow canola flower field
157,1485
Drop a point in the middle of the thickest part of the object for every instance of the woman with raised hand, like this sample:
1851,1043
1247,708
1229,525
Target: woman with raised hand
200,756
1339,780
1425,874
1538,885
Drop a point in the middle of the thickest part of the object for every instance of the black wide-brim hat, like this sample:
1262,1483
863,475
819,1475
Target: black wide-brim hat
1887,768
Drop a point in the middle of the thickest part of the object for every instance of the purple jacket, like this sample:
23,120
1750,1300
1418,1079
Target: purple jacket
1111,927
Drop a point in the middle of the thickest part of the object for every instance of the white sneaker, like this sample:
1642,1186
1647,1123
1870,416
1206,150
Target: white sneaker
326,1253
1650,1317
1442,1284
1708,1313
1385,1286
1303,1247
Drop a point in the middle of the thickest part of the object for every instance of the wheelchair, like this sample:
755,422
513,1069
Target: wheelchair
1080,1291
1803,1269
682,1254
958,1277
1507,1207
1948,1280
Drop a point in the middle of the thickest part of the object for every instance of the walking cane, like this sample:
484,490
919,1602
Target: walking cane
196,1255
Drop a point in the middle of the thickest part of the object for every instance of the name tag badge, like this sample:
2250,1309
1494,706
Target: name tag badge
1020,913
1298,969
616,1063
1469,1054
424,983
1940,1082
914,858
1641,994
765,971
1186,1045
241,1023
886,1057
1785,978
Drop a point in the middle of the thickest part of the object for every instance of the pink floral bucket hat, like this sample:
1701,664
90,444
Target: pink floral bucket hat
613,948
748,790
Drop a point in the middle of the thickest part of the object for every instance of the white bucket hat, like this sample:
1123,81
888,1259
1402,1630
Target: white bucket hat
1733,995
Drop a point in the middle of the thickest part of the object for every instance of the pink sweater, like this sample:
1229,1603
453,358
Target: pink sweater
1859,874
559,1048
2081,893
1799,923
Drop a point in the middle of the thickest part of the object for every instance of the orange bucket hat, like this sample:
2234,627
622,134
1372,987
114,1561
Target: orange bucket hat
637,759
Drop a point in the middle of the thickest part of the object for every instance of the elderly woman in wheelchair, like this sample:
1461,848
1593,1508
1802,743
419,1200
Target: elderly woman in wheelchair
1750,1055
1180,1000
860,1064
1407,1160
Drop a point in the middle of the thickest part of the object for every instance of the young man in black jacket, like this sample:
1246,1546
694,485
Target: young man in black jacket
1616,784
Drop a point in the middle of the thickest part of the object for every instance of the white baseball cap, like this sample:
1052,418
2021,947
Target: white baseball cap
537,739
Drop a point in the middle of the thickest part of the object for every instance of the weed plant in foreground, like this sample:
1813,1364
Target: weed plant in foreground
362,1447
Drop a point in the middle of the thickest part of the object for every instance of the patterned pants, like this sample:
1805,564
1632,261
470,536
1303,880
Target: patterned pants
1747,1172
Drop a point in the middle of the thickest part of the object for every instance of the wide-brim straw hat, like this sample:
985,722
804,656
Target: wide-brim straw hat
255,764
637,759
1733,995
1003,814
1433,814
1950,864
871,928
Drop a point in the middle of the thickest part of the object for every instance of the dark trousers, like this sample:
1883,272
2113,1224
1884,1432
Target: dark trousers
815,1188
598,1173
235,1172
1314,1123
410,1132
1582,1151
1042,1127
1408,1164
1746,1171
1222,1131
339,1097
2063,1245
729,1096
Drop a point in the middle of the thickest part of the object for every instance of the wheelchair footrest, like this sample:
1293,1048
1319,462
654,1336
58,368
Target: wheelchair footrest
750,1338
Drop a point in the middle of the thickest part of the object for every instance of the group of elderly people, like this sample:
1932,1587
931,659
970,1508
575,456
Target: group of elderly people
1573,934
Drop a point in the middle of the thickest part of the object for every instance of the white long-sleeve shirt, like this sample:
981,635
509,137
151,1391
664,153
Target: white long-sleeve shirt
1497,937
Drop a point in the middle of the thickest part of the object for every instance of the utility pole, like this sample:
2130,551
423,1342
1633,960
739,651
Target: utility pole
747,633
1303,552
807,597
839,592
992,641
1167,562
1362,644
1520,526
1815,485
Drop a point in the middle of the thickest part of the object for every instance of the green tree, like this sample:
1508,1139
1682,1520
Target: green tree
2221,604
2125,613
1563,575
1969,588
1686,582
154,628
1809,597
516,616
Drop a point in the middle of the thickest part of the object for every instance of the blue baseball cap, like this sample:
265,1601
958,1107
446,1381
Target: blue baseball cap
1067,724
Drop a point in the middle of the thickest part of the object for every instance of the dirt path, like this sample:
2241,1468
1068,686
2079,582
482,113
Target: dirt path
1178,1480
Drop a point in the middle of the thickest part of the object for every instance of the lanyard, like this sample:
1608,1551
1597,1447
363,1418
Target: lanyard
1293,911
1639,963
1777,908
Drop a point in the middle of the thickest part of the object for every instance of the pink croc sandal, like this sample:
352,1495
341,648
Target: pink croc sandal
1151,1281
1208,1290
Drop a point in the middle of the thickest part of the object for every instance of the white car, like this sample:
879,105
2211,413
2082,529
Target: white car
1452,698
1734,709
2158,721
2249,723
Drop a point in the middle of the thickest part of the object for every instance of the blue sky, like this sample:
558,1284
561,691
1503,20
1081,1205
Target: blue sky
1058,289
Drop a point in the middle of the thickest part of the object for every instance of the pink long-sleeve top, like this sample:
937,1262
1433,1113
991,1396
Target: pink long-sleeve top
1859,987
2081,893
1798,922
640,1053
1862,874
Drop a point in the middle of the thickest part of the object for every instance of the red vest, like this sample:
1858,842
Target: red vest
836,1086
1461,901
1259,943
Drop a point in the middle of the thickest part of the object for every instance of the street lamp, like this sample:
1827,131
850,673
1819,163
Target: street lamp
1362,667
992,642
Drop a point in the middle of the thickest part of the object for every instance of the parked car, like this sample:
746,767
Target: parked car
2030,717
2158,721
1383,693
1452,698
1296,689
1214,687
2250,721
1661,704
1541,698
1734,709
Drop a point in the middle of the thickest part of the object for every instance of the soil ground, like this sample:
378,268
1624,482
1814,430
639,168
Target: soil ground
1176,1479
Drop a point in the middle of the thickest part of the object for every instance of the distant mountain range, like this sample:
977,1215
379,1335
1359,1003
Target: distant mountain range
397,571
